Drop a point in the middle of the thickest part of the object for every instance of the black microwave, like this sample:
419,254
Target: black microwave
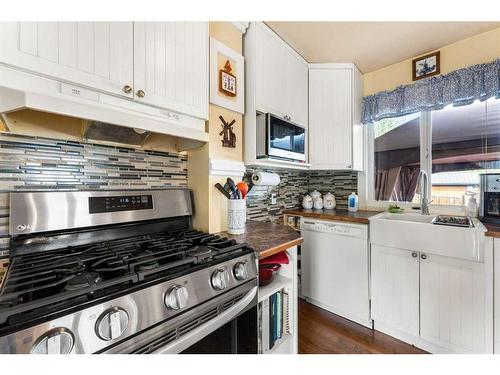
280,139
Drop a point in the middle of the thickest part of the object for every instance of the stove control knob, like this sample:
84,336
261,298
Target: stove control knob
220,279
240,271
111,324
56,341
176,297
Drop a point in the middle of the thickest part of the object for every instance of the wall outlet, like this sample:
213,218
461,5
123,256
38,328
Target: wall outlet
273,198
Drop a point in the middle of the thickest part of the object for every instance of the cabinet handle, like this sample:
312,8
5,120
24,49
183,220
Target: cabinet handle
423,256
349,166
141,94
414,255
127,89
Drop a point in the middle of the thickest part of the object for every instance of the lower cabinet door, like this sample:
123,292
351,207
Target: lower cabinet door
453,304
395,286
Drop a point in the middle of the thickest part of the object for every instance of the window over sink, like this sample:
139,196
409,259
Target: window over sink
453,145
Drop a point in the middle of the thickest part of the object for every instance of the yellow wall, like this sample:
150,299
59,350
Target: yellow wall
210,204
474,50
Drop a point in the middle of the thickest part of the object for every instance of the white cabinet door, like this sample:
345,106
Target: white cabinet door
452,304
394,287
296,90
98,55
270,95
330,118
171,65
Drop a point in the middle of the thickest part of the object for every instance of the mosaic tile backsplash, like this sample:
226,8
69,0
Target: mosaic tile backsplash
292,188
34,163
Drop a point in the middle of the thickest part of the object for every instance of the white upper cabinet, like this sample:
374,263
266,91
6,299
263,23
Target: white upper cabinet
296,83
94,54
280,77
171,65
159,64
335,134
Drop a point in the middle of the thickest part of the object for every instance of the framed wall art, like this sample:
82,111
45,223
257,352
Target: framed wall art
227,77
426,66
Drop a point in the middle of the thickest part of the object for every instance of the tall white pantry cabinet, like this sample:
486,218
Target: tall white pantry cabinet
161,64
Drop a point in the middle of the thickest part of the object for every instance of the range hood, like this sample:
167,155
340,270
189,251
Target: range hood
107,115
101,131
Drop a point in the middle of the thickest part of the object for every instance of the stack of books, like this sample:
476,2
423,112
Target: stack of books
274,320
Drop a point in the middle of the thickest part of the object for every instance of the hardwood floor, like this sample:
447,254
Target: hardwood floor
322,332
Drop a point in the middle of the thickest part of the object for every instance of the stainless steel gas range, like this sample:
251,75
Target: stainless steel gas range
123,272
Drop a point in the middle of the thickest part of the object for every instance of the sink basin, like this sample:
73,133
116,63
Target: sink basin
413,218
415,232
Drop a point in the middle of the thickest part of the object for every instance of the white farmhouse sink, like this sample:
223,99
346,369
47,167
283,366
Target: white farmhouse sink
416,232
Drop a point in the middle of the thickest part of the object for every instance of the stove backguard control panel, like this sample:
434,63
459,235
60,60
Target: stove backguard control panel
120,203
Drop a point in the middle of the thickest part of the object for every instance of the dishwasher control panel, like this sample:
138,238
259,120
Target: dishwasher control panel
334,227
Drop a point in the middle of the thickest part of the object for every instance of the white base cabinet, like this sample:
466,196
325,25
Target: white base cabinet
440,304
394,288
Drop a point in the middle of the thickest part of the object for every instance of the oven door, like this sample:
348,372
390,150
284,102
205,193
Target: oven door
285,140
226,324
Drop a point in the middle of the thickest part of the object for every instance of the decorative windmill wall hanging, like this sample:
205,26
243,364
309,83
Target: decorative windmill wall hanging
228,136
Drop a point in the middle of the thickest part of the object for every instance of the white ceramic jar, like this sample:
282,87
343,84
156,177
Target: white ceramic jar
329,202
315,194
318,203
236,216
307,202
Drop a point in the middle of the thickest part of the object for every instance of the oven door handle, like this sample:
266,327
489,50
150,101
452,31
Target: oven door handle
205,329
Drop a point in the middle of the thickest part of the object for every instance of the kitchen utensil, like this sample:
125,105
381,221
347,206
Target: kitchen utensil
222,190
243,187
233,188
227,187
266,273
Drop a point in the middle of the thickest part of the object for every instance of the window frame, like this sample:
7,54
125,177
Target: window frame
368,181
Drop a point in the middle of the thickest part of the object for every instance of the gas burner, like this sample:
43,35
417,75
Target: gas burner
200,252
145,261
83,280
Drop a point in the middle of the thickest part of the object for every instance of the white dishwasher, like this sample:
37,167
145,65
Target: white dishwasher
335,268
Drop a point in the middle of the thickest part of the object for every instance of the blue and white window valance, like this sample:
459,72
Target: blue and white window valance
460,87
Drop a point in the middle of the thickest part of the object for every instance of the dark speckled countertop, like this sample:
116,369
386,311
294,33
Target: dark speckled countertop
360,216
267,238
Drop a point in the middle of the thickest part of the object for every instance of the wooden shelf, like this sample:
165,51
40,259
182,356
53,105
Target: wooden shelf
278,283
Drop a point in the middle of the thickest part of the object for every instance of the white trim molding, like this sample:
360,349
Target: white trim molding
241,26
226,168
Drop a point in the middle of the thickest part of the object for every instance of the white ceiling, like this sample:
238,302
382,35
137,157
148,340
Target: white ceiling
373,45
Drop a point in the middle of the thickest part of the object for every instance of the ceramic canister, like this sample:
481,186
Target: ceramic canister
236,216
307,202
329,202
318,203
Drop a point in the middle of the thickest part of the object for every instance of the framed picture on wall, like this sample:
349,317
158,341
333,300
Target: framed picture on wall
426,66
227,77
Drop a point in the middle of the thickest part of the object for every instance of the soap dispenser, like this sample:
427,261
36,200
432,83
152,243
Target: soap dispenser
472,205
